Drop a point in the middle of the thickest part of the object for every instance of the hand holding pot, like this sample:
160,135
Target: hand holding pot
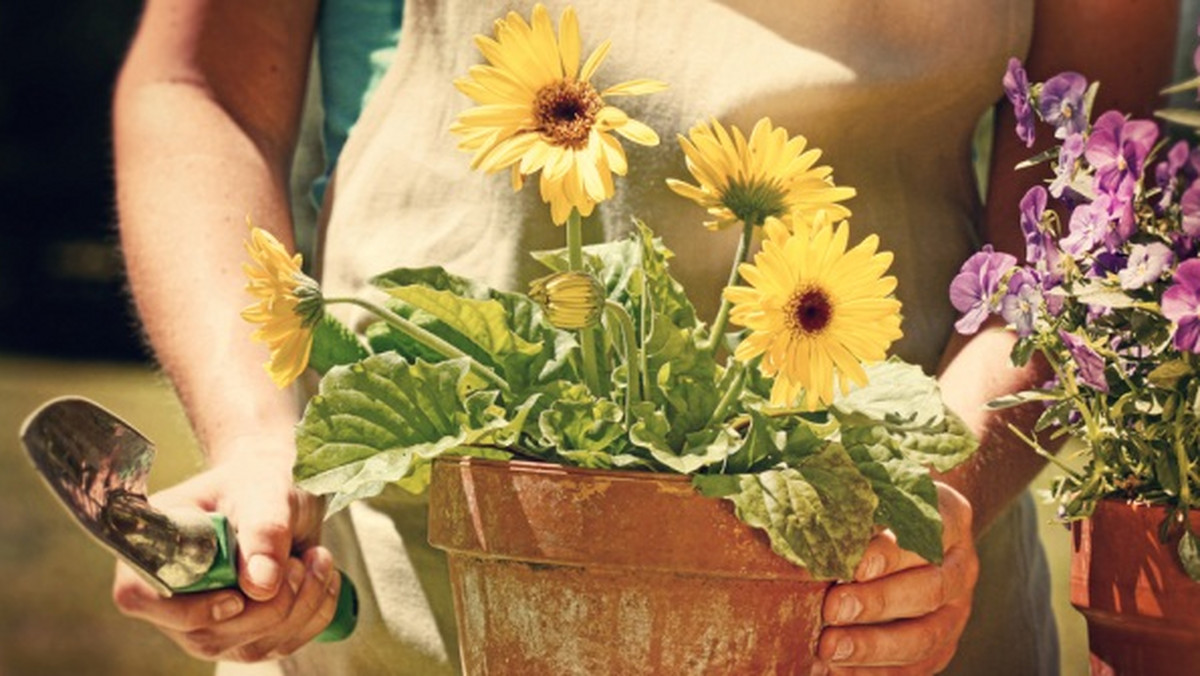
901,610
288,586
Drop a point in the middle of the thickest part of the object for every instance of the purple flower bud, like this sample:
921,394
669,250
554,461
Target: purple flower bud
1016,88
1166,171
1061,103
973,291
1089,365
1181,305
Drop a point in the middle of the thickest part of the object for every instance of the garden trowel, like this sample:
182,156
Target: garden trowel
97,465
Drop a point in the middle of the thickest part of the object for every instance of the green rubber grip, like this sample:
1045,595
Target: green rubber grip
223,575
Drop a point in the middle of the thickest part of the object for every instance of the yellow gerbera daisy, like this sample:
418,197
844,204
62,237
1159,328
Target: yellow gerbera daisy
289,305
538,110
751,180
815,311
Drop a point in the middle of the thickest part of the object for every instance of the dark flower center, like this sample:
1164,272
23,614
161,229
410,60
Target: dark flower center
809,310
565,112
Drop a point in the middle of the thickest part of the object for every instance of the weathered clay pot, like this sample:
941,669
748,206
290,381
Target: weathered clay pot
1142,610
558,570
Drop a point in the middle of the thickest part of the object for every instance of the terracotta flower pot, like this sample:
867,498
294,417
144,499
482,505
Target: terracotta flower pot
558,570
1142,610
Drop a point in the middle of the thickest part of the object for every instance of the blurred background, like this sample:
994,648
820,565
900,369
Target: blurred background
65,328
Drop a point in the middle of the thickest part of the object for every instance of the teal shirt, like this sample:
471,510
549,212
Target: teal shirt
356,40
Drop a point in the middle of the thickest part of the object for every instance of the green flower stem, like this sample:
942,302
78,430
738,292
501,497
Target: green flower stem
587,337
736,377
1181,456
632,355
743,250
646,324
427,339
1072,390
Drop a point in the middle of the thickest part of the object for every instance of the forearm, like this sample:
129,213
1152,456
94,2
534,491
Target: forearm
197,153
975,370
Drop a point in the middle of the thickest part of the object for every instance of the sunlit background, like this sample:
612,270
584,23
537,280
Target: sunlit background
65,328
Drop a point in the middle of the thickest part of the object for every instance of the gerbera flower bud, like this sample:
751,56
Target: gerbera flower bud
571,300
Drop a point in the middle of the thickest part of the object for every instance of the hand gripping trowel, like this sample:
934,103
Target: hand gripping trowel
97,464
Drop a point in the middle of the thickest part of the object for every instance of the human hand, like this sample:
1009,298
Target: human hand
901,614
288,587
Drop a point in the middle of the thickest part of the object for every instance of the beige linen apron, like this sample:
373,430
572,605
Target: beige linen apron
889,90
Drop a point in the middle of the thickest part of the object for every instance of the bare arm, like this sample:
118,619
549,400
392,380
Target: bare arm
1129,47
205,116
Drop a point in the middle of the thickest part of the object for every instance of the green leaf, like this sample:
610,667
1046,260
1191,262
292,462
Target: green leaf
1189,554
524,315
818,514
1041,157
1022,398
1167,374
334,345
584,429
1183,116
483,322
717,485
378,421
761,446
1187,85
902,408
1103,295
908,501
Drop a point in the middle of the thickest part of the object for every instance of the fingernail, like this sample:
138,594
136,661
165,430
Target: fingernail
873,567
819,669
848,609
843,649
263,571
321,566
295,575
227,608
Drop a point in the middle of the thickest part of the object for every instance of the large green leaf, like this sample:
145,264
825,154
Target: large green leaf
483,322
908,501
378,421
902,407
584,429
334,345
818,514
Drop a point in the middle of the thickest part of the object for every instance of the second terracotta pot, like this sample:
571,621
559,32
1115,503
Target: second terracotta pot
1142,610
559,570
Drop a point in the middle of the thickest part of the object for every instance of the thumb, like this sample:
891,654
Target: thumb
264,537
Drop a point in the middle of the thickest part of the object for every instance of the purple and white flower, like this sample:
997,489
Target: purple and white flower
1061,103
1020,305
1068,159
1146,264
974,290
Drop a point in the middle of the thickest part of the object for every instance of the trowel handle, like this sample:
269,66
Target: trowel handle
223,575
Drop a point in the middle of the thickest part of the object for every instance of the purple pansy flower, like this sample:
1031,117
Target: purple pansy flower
1019,306
1068,156
1016,88
1117,148
1181,304
1089,365
1088,227
1146,264
1061,103
973,291
1033,205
